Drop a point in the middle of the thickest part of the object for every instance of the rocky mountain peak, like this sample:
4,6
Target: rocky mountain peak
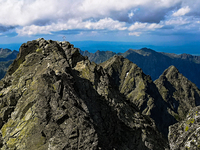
180,93
172,72
54,98
139,90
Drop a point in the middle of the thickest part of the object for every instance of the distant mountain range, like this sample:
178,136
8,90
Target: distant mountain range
154,63
6,58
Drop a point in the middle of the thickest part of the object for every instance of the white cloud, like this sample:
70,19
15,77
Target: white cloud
130,15
144,26
28,12
137,25
177,21
181,12
106,23
135,33
31,17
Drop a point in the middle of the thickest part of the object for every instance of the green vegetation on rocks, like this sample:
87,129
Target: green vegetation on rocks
52,97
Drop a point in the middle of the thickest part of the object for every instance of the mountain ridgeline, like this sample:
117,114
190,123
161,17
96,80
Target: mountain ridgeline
53,98
154,63
6,58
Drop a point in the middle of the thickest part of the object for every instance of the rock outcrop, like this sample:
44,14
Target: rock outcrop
186,134
54,98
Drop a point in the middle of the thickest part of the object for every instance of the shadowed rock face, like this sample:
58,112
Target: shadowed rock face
139,90
180,93
166,101
54,98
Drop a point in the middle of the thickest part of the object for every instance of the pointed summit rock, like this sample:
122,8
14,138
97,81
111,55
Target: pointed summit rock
180,93
171,73
54,98
139,90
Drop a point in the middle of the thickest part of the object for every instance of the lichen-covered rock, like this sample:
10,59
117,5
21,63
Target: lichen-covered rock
185,135
53,98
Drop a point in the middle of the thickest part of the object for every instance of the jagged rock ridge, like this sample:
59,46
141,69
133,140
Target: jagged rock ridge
154,63
139,90
54,98
167,100
180,93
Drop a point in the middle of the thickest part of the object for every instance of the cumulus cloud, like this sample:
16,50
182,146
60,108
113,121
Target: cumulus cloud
177,21
135,33
42,12
144,26
31,17
182,11
71,24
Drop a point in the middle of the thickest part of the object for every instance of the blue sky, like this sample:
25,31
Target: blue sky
155,22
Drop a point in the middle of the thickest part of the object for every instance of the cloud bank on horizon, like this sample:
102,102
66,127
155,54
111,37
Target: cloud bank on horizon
21,18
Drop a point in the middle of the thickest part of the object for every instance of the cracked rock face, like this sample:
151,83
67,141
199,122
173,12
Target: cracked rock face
54,98
186,134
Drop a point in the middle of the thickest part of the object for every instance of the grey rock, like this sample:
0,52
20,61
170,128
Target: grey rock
54,98
186,134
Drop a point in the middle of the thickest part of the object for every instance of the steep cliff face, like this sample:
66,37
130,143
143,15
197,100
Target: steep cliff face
186,134
54,98
180,93
139,90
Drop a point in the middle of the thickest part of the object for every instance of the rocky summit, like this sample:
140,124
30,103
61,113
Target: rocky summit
53,98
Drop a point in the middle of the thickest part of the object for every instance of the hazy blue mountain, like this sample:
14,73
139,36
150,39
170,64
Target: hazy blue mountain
99,56
7,54
6,58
